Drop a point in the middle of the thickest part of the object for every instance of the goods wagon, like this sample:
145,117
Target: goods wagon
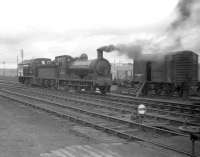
175,67
175,72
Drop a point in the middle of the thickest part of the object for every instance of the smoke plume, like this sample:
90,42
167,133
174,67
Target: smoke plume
184,30
181,34
184,12
131,50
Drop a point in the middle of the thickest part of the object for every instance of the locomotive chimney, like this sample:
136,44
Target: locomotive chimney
99,54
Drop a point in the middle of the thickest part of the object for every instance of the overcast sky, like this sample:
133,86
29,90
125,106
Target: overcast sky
47,28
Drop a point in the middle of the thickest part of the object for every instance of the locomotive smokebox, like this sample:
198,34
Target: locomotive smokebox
99,54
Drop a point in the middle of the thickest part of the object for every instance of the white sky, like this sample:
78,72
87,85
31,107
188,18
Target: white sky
46,28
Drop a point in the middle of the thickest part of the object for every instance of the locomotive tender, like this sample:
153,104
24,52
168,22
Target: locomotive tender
66,72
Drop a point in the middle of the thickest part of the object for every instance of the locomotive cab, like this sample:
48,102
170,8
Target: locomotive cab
28,69
24,70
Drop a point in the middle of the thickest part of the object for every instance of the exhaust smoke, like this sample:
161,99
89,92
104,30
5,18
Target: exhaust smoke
182,33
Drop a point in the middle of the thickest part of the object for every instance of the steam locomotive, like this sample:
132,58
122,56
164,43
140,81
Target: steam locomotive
68,73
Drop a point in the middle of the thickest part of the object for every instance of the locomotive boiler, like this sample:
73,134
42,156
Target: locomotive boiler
66,72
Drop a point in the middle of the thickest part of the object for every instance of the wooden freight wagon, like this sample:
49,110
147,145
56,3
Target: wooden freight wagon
182,66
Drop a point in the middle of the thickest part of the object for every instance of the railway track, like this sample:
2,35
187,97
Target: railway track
164,104
124,111
190,115
86,106
120,110
190,111
170,106
95,118
109,124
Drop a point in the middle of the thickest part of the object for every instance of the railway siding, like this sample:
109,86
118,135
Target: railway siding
95,118
94,125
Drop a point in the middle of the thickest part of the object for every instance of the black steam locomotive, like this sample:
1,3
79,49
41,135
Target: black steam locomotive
66,72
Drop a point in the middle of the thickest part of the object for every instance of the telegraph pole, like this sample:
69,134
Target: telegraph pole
4,72
114,70
134,69
17,65
22,55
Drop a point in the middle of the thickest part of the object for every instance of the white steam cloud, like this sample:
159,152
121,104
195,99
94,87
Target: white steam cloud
181,34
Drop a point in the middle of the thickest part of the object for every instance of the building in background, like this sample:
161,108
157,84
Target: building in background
122,71
8,72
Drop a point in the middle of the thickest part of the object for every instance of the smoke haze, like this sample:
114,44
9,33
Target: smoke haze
184,12
181,34
131,50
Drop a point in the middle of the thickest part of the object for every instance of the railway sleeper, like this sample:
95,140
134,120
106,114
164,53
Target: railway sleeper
99,115
160,117
119,134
